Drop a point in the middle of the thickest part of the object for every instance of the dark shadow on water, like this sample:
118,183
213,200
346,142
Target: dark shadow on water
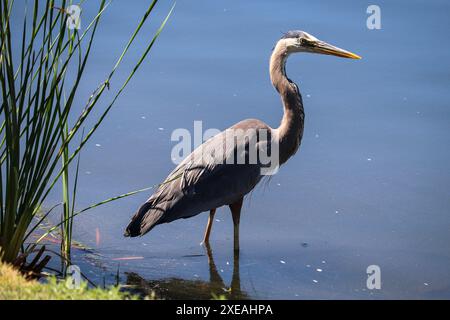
179,289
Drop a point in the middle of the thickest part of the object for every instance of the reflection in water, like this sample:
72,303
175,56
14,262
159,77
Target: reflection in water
177,289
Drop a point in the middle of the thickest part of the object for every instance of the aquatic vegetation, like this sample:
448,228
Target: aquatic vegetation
40,142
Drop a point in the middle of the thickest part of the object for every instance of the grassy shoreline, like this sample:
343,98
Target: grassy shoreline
13,286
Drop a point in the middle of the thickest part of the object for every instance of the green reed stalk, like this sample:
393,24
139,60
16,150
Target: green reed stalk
35,131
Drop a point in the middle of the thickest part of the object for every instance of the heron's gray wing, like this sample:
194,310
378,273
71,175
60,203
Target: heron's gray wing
208,178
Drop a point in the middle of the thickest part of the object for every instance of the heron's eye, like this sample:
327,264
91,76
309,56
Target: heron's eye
306,43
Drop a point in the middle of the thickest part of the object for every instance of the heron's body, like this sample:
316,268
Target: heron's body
194,186
200,184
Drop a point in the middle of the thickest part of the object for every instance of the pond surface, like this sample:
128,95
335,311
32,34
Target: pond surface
369,186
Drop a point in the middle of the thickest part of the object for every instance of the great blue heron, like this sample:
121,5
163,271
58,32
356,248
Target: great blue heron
204,183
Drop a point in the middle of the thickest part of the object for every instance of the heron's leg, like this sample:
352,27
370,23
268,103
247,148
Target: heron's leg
212,212
236,278
236,213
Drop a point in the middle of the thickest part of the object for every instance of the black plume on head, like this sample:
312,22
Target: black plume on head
292,34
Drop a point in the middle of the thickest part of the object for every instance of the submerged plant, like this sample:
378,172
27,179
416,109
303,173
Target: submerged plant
37,145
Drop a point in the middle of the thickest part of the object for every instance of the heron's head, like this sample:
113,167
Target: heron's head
301,41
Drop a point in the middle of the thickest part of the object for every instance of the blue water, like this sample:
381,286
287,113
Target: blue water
369,186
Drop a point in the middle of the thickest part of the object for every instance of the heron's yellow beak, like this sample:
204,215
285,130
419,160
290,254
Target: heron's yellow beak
325,48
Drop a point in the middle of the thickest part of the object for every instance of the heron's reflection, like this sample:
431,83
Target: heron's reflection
176,288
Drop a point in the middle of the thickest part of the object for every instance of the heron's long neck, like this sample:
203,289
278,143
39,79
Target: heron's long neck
290,131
